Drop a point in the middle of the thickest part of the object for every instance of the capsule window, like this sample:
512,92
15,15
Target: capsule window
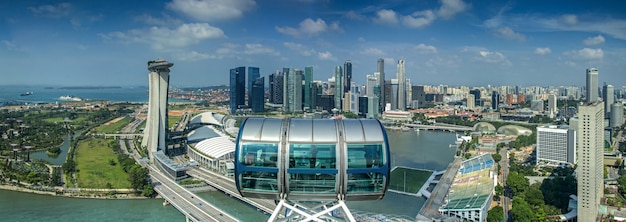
259,154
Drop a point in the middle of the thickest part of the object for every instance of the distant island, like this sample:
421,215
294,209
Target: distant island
90,87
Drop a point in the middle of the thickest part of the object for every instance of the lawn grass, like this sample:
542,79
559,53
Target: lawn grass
60,119
93,158
171,120
415,179
114,127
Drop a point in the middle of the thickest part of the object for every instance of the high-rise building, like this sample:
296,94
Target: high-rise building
293,92
309,97
338,87
253,74
590,148
155,132
394,94
419,95
370,85
401,99
470,101
347,75
237,88
380,68
608,96
552,105
592,85
276,82
476,93
617,115
257,95
556,145
495,100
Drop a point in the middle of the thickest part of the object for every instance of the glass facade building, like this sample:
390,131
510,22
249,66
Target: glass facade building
237,88
312,159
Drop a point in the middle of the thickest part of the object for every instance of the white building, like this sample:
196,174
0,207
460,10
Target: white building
156,121
556,145
592,85
590,146
552,107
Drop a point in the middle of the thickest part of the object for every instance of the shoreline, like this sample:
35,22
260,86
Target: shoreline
80,195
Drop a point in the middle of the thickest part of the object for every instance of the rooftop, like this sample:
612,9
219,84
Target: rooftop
472,186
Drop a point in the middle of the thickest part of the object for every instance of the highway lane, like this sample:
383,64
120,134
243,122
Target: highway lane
196,209
229,185
504,164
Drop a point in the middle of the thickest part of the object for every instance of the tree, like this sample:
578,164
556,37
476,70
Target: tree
521,211
622,184
148,190
499,190
496,157
138,177
534,196
496,214
517,182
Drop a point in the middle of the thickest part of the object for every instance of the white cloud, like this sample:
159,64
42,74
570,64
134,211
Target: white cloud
425,49
419,19
543,51
165,21
165,39
301,49
258,49
210,10
309,27
594,40
194,56
449,8
569,19
586,54
228,49
492,57
508,33
386,16
373,52
355,16
52,11
326,56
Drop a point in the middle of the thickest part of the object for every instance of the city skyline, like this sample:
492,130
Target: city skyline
449,42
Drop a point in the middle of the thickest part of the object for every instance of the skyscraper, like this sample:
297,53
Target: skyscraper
401,86
347,75
309,97
617,115
257,95
556,145
276,87
495,100
292,101
237,88
552,105
253,74
381,83
155,131
590,147
608,96
338,87
592,85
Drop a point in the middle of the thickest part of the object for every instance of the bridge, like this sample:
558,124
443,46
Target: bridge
194,208
227,185
122,135
440,126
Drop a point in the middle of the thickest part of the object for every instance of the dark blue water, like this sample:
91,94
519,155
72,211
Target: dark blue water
42,94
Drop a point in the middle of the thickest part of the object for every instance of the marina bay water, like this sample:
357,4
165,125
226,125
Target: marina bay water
43,94
422,150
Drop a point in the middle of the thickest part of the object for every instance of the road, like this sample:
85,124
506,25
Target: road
194,208
504,163
227,185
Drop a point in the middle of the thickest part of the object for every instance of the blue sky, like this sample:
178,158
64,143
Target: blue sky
449,42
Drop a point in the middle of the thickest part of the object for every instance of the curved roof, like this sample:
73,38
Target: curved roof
201,133
216,147
205,118
513,130
484,127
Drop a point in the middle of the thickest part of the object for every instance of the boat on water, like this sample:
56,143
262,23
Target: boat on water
70,98
26,94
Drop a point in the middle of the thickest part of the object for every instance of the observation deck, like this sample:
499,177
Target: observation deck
159,64
312,159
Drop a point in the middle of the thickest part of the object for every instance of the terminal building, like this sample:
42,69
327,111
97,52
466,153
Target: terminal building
471,192
207,147
295,160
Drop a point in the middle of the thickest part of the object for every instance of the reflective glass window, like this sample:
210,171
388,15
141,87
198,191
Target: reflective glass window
312,168
259,181
366,156
259,154
365,183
